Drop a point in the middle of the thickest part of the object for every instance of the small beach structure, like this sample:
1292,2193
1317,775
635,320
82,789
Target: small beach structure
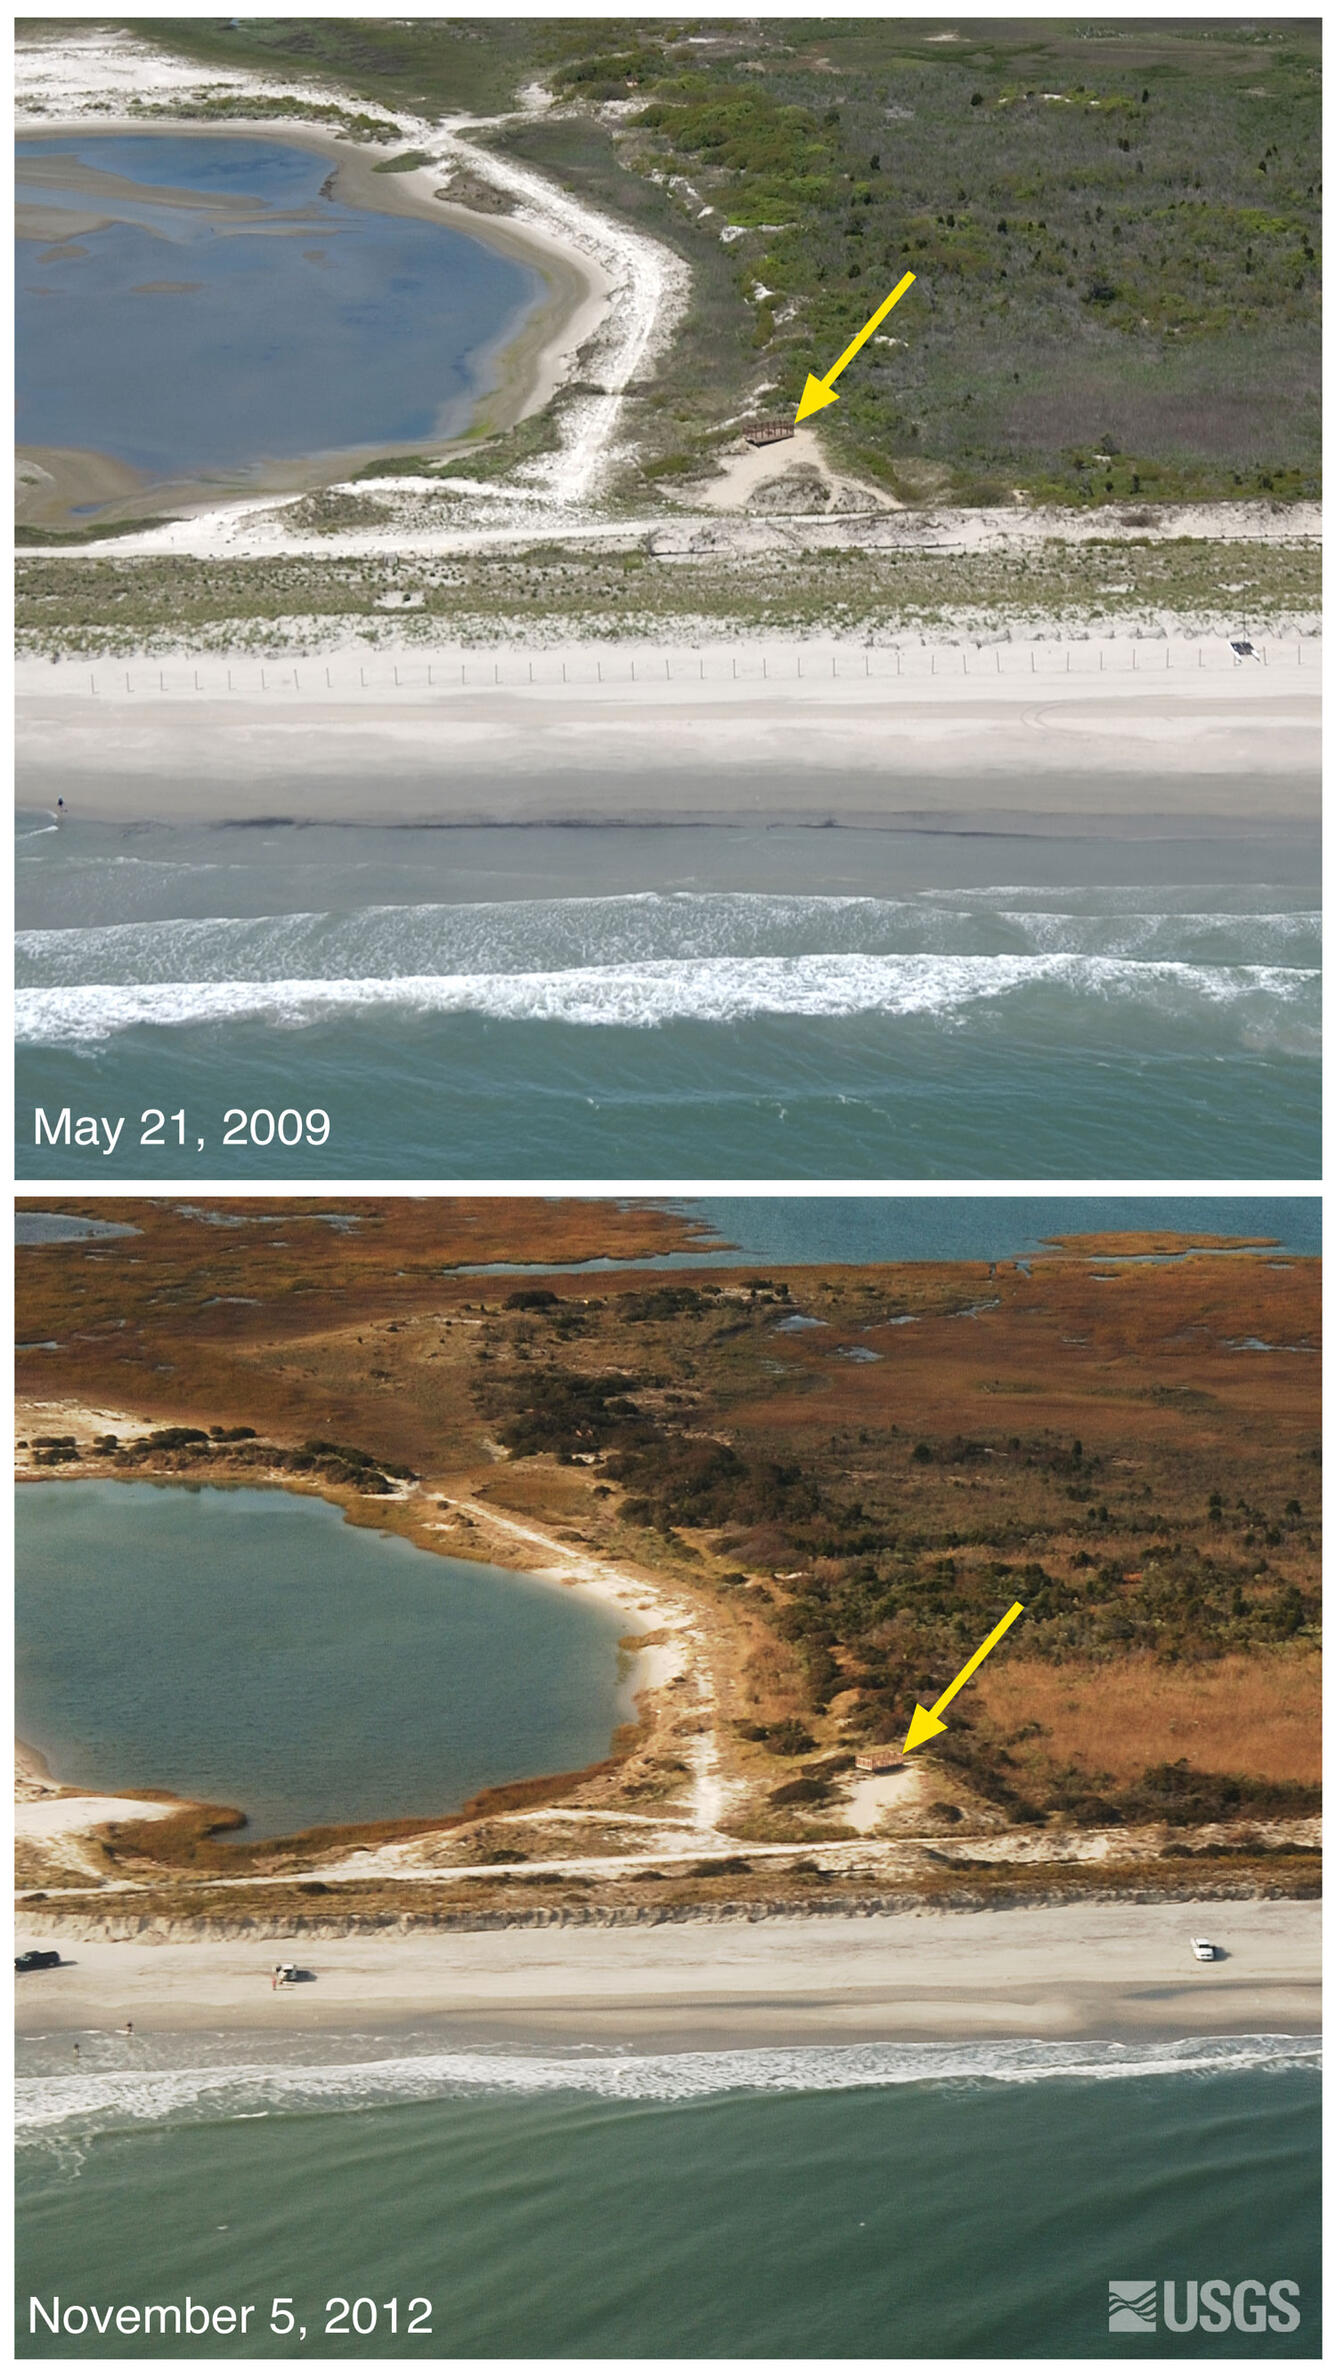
880,1759
767,432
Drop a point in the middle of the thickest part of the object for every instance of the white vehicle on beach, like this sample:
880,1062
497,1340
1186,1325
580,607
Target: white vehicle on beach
1205,1950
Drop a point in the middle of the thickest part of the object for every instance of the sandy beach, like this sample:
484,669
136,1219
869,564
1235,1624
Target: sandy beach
1095,1970
1096,737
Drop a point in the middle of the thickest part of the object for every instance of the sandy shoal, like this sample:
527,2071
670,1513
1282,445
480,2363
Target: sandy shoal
75,1813
1000,742
1074,1971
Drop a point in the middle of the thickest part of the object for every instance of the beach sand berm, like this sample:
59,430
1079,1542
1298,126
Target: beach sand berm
1094,1969
1081,736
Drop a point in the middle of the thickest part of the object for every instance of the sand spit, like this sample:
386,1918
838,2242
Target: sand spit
1064,1971
1085,736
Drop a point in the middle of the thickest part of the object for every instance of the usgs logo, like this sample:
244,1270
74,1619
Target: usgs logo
1213,2305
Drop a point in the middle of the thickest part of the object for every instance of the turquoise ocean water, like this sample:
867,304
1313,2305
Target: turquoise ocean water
608,1002
875,2201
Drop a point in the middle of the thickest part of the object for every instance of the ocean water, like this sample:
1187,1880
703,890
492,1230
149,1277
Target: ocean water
816,1229
166,337
245,1645
874,2200
813,1228
605,1002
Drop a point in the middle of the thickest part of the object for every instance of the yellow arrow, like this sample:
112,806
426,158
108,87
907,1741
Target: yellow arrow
926,1723
820,392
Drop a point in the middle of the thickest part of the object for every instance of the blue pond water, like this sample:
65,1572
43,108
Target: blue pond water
260,319
246,1646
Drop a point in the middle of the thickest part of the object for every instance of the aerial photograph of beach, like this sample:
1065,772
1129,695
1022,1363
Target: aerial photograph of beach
700,1778
652,599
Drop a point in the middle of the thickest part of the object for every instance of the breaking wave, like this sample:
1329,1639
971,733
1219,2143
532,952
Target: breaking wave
55,2105
553,936
1263,1002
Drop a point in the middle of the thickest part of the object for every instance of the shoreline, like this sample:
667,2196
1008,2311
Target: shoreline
1054,1972
525,365
1079,736
669,1667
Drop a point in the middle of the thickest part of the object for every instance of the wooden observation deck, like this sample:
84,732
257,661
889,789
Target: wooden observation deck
768,432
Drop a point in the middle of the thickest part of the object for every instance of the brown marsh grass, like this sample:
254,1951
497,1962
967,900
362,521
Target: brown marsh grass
1253,1714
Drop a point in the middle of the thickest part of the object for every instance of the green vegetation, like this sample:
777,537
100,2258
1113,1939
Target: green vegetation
91,532
548,594
407,163
228,107
424,67
1115,231
1115,237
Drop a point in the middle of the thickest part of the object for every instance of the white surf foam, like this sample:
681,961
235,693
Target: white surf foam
58,2103
660,992
550,936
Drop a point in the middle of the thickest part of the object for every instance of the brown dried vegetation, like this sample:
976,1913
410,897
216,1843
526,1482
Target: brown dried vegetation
1129,1448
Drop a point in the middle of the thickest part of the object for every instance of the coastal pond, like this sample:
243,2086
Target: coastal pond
247,1646
205,303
